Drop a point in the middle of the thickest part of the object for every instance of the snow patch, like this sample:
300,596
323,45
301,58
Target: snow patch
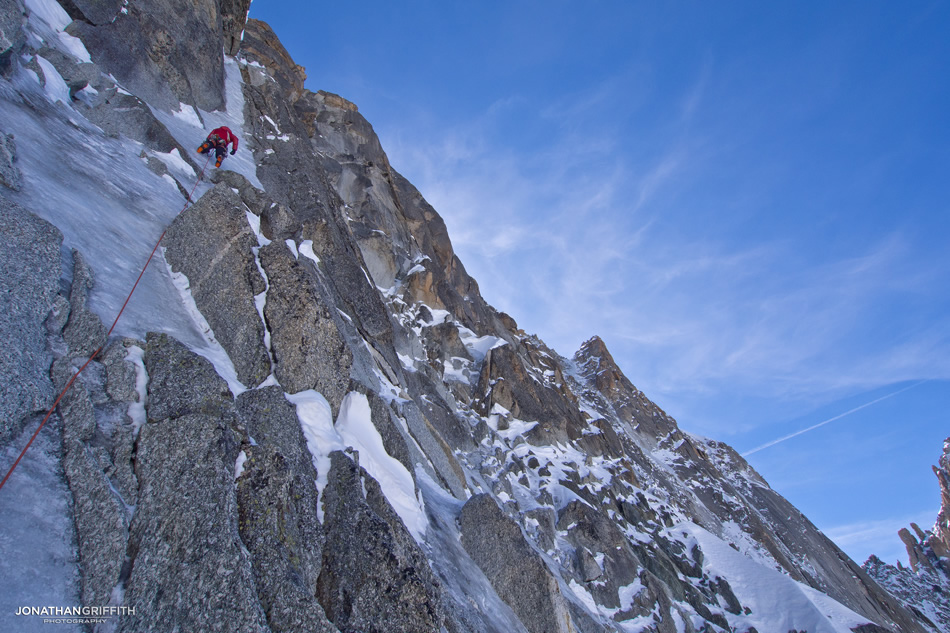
457,369
292,247
306,249
136,411
239,465
438,316
55,86
171,181
255,223
50,20
316,421
516,427
356,428
260,300
627,593
479,346
408,362
585,597
175,163
188,115
50,12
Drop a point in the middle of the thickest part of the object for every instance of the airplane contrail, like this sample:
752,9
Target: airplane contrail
830,420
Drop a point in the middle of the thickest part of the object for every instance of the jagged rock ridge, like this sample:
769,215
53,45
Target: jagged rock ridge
925,587
347,437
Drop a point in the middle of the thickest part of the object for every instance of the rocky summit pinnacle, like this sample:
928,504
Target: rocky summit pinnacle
940,540
925,588
308,418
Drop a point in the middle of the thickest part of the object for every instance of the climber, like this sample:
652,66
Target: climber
219,139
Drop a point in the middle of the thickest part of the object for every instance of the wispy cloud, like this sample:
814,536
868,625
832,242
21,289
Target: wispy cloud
577,238
831,419
878,537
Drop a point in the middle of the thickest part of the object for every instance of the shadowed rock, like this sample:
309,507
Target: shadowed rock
507,380
375,579
516,571
12,37
92,11
101,519
120,114
277,506
84,332
233,16
9,173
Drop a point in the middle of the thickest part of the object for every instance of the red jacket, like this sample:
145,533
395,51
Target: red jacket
226,135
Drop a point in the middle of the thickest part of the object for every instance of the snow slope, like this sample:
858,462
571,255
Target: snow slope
38,558
776,602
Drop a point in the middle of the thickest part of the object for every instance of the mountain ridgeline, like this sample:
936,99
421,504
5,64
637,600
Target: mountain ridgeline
310,420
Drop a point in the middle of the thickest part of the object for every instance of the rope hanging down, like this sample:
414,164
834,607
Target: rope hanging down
108,334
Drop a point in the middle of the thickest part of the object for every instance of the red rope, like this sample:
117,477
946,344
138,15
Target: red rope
108,334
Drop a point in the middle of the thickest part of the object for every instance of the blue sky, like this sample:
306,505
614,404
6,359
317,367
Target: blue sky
747,201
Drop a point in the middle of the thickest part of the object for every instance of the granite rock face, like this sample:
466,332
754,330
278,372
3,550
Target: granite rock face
181,383
167,52
95,12
98,439
277,509
261,44
939,541
233,16
9,173
187,506
211,244
120,114
30,272
627,402
507,381
309,352
12,36
516,571
375,579
84,332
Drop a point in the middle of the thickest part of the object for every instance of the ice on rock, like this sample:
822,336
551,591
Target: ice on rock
176,165
316,421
